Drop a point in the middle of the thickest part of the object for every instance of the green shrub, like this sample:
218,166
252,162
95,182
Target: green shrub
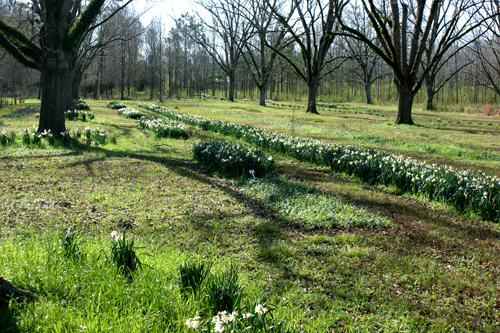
115,105
233,160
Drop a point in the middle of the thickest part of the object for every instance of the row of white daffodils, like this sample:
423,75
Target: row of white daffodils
466,190
164,128
256,321
130,113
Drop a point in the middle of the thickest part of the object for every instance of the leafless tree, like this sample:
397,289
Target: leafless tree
230,32
266,30
361,54
312,30
487,48
54,51
403,29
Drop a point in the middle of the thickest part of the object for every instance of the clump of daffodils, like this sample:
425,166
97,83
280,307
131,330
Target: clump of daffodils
236,321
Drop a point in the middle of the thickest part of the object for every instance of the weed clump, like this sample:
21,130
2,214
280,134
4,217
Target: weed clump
224,292
69,242
123,255
191,276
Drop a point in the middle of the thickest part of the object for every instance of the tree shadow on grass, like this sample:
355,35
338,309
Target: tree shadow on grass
7,321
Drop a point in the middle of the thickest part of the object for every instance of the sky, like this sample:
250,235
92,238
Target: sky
164,10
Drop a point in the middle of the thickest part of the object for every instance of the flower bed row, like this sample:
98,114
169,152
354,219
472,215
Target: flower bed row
31,137
115,105
233,160
163,127
130,113
465,190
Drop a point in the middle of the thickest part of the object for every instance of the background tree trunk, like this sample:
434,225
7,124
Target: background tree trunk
368,93
232,79
405,103
262,95
312,94
429,89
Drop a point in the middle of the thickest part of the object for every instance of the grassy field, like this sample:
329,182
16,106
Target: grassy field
421,267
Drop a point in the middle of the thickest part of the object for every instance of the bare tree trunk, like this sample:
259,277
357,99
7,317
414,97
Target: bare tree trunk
75,88
57,98
122,79
368,93
262,94
405,103
232,79
312,90
429,89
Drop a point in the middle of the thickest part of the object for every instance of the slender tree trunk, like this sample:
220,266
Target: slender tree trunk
405,103
213,80
262,93
57,98
368,93
312,90
232,79
75,86
122,78
429,90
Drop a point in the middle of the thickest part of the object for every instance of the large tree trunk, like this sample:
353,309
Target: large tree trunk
405,103
312,90
57,97
368,93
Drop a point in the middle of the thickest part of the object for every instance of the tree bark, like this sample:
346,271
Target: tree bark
405,103
262,92
57,96
75,88
429,89
232,79
312,94
368,93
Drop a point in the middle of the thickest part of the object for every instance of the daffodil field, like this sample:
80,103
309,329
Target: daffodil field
259,219
465,190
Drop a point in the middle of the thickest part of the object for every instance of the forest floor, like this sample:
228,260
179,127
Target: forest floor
429,268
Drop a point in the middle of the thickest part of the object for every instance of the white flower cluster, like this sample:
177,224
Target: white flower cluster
163,127
130,113
231,159
223,320
462,189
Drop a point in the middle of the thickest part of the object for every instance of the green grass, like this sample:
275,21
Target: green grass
307,207
427,268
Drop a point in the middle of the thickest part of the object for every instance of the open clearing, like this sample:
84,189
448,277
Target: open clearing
429,268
